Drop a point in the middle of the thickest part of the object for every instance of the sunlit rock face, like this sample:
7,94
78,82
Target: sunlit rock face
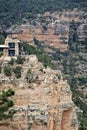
45,103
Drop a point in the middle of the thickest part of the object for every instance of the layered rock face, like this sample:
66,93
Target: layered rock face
45,102
55,34
54,31
49,107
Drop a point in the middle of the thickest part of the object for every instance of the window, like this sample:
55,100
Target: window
11,52
12,45
1,49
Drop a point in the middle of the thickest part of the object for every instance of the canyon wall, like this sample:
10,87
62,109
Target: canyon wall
42,103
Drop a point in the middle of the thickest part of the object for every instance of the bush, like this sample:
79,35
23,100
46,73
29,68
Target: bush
29,76
9,93
1,54
42,57
45,59
7,70
29,49
17,71
38,43
5,103
20,60
11,62
10,103
59,76
82,80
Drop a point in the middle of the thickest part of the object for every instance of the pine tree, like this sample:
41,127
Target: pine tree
6,103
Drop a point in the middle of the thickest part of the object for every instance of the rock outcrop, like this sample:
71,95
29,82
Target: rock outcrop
45,103
54,31
82,31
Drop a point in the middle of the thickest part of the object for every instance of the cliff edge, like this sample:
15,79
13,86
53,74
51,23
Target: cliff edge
43,100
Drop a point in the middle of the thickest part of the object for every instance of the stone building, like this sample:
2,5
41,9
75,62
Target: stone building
3,49
11,48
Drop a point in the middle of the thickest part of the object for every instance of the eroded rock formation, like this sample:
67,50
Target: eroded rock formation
45,103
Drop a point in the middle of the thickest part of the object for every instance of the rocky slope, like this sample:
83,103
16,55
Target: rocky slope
43,100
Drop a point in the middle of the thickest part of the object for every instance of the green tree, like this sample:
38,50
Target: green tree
20,60
29,49
11,62
7,70
17,71
73,37
29,76
1,54
45,59
5,103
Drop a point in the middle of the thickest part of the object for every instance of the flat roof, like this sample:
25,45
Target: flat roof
4,46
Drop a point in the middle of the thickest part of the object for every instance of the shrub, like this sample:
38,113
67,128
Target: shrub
29,76
7,70
17,71
38,43
42,57
10,103
1,54
59,76
45,59
10,92
29,49
5,103
20,60
11,62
